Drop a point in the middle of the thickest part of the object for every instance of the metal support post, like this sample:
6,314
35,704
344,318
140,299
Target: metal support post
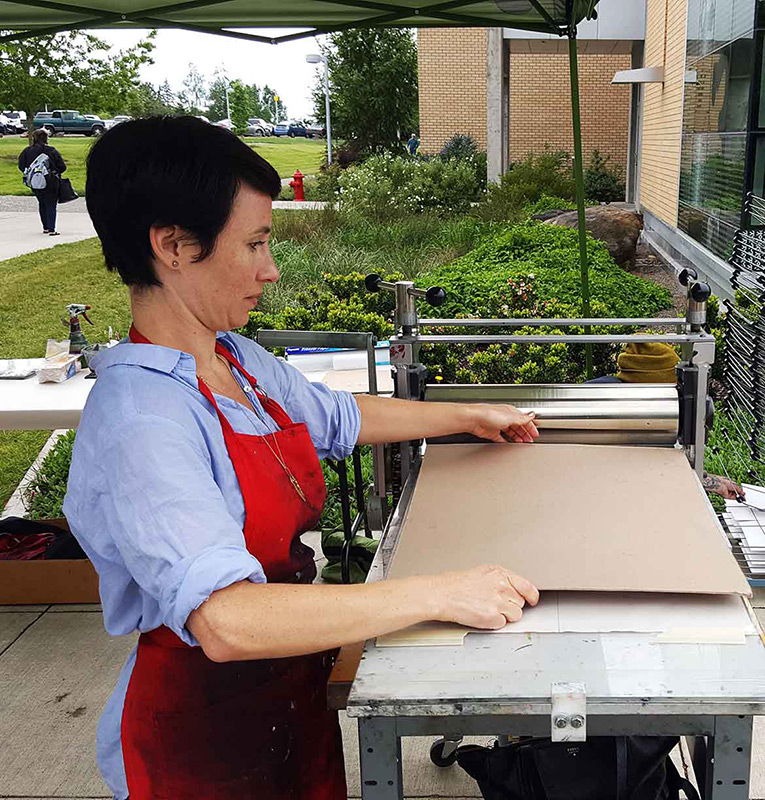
380,759
579,180
703,358
728,760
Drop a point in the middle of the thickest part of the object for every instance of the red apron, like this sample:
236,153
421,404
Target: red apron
193,728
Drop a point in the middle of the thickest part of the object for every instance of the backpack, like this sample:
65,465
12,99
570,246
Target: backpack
37,174
602,768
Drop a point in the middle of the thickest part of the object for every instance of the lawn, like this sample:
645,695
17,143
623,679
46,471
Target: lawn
285,154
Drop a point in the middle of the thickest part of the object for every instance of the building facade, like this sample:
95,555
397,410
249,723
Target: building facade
510,89
701,149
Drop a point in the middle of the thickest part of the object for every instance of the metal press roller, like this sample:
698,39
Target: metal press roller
629,413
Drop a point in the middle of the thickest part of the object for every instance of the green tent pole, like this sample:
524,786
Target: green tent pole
579,179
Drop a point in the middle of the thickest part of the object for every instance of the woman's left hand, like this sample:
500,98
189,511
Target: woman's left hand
501,423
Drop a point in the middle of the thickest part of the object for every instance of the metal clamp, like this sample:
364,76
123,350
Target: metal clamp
568,721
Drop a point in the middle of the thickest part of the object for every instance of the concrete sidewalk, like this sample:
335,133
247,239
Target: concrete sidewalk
21,230
57,668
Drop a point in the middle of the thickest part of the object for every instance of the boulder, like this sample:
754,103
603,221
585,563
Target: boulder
618,228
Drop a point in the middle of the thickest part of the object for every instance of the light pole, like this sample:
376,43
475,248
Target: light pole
315,58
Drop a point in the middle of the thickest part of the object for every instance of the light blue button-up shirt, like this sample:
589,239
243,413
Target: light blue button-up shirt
153,497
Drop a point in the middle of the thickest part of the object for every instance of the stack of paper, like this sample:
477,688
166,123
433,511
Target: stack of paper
746,522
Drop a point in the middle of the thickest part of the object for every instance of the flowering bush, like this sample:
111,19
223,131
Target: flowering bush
386,187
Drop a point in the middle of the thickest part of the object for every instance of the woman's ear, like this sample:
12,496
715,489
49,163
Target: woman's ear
166,244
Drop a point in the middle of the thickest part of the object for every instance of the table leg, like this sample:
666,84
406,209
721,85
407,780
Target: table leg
380,759
728,759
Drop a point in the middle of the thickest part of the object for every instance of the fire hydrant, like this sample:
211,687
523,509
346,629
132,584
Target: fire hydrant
297,184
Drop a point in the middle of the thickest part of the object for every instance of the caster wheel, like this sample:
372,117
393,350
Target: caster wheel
437,754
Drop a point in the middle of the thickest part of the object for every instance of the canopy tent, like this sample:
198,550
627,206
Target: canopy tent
224,17
20,19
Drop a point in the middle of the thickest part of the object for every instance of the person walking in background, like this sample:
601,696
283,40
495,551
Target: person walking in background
413,144
42,166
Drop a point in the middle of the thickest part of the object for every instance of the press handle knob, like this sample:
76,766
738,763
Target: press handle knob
436,295
701,292
687,276
372,282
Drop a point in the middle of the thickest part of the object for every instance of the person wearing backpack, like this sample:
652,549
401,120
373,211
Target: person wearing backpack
41,166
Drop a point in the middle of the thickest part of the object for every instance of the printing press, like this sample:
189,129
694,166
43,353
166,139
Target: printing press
574,682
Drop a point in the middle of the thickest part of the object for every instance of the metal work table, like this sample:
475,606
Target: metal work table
501,684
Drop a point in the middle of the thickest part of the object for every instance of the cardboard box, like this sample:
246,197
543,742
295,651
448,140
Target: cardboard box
54,581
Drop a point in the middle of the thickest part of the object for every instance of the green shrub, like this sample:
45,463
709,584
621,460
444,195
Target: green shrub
44,496
549,203
526,181
461,147
339,303
601,182
532,270
549,255
388,187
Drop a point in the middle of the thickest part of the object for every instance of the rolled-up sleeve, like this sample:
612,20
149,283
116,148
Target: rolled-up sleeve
333,418
169,519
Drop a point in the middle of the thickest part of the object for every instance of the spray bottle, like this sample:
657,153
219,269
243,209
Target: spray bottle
77,338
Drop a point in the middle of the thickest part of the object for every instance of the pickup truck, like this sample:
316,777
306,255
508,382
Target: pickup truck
68,122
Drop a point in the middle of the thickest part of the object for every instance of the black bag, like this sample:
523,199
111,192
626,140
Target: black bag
66,191
602,768
62,546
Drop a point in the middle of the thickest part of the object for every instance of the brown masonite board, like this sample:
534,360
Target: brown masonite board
568,517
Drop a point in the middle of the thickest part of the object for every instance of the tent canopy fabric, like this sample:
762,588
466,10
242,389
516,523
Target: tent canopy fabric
21,18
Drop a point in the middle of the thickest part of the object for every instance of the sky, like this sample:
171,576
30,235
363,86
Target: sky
283,67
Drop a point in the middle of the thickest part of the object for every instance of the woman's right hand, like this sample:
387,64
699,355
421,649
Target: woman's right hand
486,597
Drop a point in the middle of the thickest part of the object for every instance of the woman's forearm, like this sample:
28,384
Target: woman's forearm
385,419
263,620
248,620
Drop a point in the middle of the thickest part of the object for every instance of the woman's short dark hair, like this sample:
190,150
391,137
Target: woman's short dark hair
166,171
40,136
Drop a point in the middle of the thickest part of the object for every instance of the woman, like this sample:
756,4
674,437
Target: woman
47,198
196,469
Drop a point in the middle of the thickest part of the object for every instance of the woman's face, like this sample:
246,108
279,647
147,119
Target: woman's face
221,290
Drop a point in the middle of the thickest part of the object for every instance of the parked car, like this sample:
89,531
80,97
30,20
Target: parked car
315,129
292,129
225,123
68,122
259,127
14,121
110,123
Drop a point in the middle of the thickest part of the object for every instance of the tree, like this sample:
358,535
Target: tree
74,70
242,103
216,99
193,98
273,109
149,101
167,96
373,87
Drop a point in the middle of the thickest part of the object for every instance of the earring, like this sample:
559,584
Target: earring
175,264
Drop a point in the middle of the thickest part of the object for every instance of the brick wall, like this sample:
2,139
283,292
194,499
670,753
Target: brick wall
452,73
452,78
663,109
540,105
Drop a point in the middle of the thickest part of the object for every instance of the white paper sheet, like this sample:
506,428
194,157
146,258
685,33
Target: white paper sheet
718,617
